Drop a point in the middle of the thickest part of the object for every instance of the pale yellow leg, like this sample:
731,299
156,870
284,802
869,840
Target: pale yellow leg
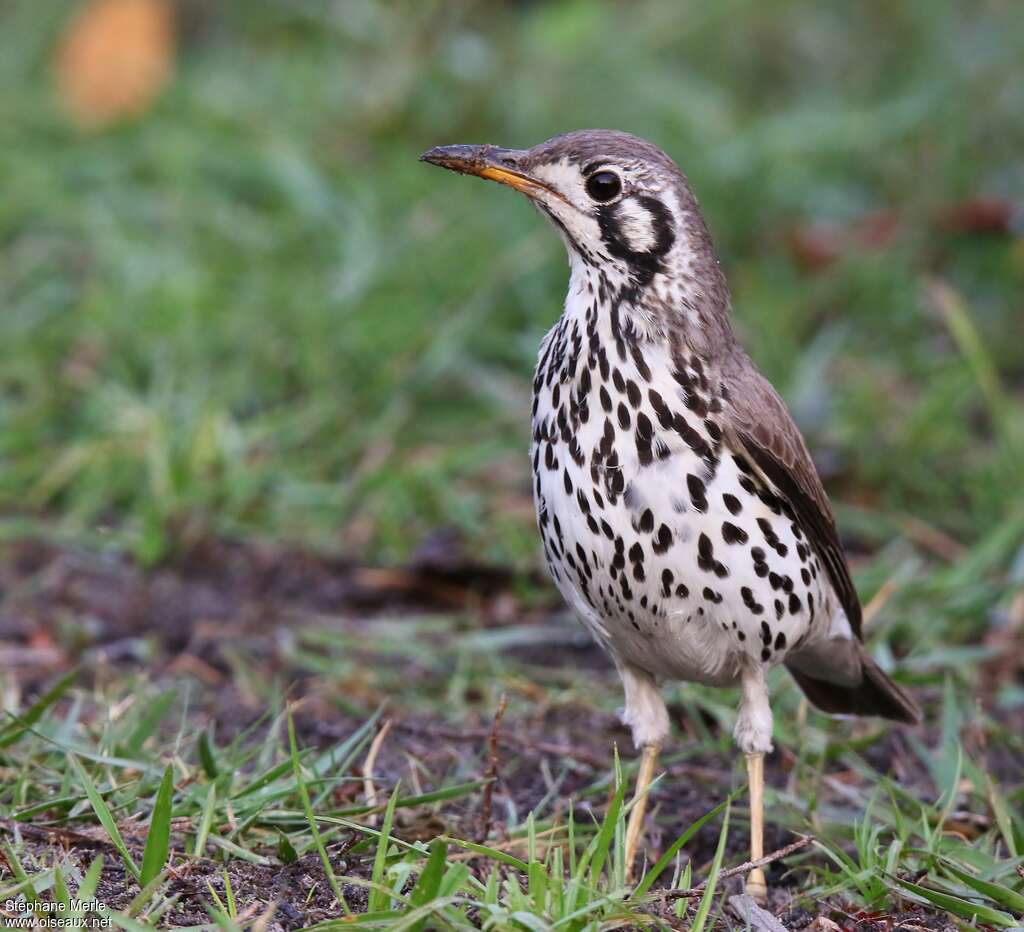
636,815
757,887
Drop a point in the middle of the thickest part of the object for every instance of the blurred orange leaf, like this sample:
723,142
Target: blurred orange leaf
114,58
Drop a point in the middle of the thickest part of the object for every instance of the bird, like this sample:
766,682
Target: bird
681,515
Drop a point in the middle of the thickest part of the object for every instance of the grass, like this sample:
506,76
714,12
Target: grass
250,314
203,813
253,311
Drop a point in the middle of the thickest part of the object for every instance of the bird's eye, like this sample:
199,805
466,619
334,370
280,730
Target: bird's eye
604,186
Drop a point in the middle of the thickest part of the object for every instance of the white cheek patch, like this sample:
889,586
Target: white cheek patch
562,176
635,225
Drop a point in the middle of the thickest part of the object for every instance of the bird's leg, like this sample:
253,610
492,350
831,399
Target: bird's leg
647,717
757,886
636,815
753,733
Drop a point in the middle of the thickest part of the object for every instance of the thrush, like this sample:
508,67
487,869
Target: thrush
681,515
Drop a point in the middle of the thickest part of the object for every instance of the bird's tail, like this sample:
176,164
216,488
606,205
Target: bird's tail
855,686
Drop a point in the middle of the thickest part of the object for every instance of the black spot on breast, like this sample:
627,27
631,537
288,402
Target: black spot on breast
644,433
667,579
698,492
633,393
696,404
732,503
780,641
794,604
706,558
711,596
771,537
732,534
638,360
636,553
549,457
647,521
661,410
756,608
664,539
692,438
606,399
623,415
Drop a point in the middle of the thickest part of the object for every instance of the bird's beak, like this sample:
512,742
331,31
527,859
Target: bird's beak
489,162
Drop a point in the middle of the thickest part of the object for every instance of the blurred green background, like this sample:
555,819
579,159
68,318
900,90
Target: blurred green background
249,310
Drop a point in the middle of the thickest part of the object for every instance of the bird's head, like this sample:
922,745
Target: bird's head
620,203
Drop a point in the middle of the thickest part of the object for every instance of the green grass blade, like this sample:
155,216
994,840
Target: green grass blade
60,888
268,777
430,877
207,755
237,851
205,821
712,882
493,853
158,840
144,895
35,712
148,722
87,888
24,881
663,862
378,899
972,912
311,819
1000,894
1003,815
286,852
603,842
103,813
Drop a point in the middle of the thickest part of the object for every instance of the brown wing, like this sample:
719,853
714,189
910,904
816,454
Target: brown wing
762,428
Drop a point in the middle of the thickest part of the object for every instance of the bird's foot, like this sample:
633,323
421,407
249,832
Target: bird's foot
757,886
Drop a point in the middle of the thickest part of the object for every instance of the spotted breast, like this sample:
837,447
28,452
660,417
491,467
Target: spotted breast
675,552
